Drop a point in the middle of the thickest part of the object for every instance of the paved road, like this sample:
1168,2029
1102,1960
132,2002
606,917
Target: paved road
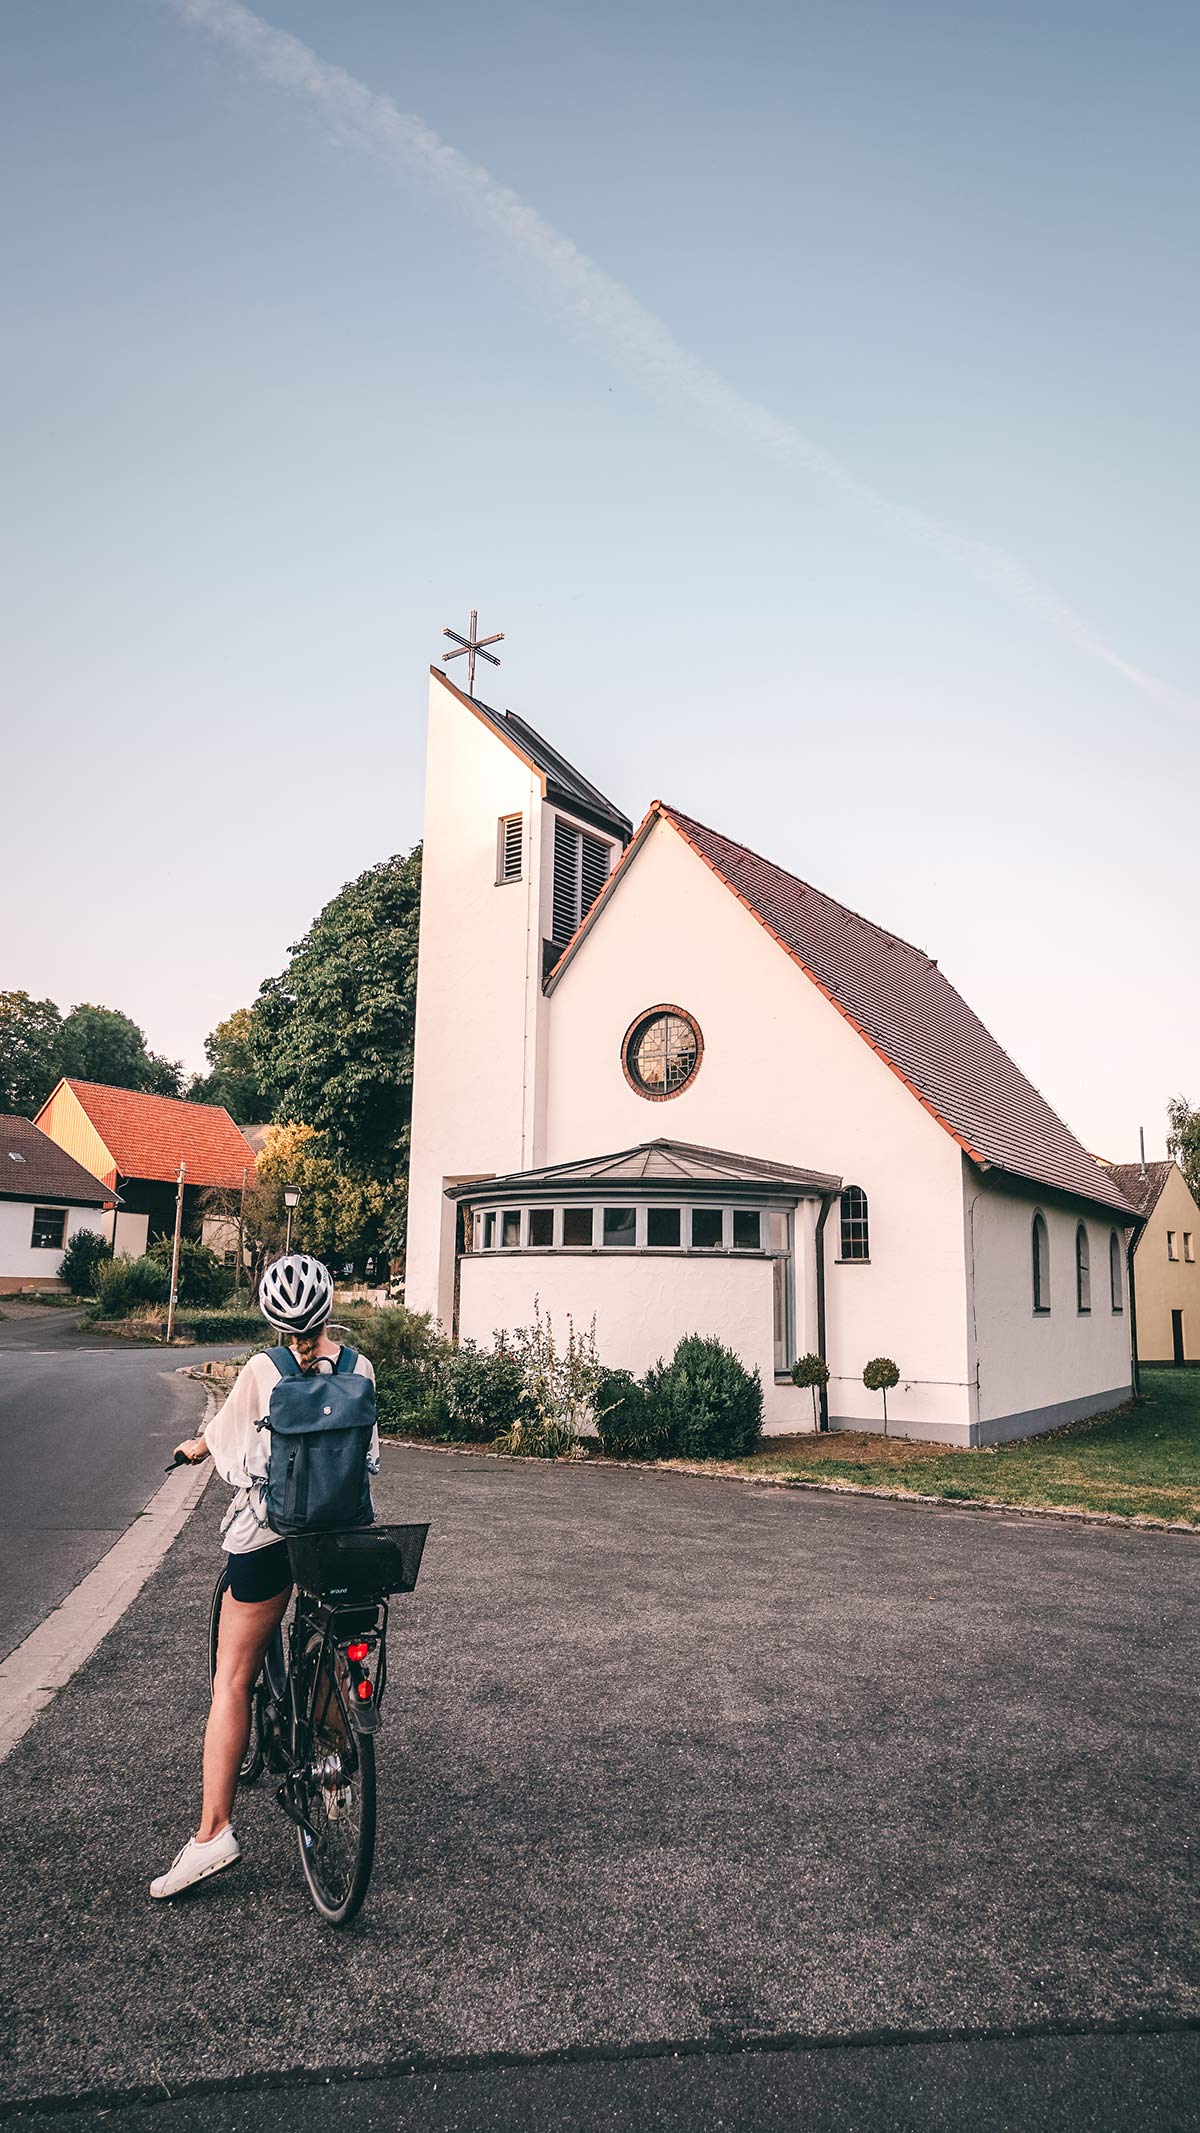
666,1763
85,1431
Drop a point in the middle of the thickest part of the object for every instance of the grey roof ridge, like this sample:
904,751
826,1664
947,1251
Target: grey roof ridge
549,1171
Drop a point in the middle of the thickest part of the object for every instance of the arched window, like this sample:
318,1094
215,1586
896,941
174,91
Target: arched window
856,1234
1114,1272
1083,1269
1041,1263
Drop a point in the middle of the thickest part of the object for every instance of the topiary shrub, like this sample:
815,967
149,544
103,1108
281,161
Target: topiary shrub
813,1371
203,1278
86,1252
627,1426
705,1402
880,1375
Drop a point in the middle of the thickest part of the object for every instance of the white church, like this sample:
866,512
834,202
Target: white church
661,1082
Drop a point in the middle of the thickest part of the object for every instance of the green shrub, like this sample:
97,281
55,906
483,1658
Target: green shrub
124,1283
627,1425
391,1334
409,1354
483,1391
216,1327
705,1402
85,1254
203,1278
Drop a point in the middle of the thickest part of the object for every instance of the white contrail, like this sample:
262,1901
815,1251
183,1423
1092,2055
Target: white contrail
606,312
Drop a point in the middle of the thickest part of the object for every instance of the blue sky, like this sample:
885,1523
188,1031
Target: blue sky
275,410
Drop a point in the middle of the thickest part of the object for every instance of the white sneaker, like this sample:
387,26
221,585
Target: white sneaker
196,1862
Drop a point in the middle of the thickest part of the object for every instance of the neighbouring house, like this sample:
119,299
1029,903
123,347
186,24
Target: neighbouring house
1166,1267
135,1144
662,1082
45,1196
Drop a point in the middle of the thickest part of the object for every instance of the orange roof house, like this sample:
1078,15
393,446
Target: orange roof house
135,1143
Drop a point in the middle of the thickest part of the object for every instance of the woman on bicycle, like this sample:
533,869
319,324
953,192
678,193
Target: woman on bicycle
295,1297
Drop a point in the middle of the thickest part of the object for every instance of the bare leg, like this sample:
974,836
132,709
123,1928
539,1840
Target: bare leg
246,1630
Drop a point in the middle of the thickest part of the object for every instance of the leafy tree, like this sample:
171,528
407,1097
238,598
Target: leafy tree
101,1044
341,1215
1184,1140
879,1375
331,1038
233,1078
30,1051
813,1371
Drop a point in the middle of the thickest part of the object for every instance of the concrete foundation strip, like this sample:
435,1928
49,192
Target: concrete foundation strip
32,1675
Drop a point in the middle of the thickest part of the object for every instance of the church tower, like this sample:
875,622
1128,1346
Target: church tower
517,846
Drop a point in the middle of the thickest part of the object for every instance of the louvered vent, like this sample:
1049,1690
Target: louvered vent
566,879
511,839
593,872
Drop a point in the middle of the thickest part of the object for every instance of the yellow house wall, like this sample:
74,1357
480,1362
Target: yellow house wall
63,1118
1165,1285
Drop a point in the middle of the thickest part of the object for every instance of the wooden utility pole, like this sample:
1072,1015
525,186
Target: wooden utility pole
175,1253
241,1265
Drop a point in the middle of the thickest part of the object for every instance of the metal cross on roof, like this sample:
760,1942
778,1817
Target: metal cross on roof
471,644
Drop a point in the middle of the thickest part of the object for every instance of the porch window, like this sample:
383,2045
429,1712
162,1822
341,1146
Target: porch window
577,1226
708,1229
510,1229
620,1227
541,1227
747,1229
663,1230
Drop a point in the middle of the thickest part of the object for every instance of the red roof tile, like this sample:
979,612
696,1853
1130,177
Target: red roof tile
897,998
148,1136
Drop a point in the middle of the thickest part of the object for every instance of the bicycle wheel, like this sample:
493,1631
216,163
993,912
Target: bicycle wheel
338,1795
252,1762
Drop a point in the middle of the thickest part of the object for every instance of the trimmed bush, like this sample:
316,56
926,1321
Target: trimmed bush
86,1252
216,1327
705,1402
203,1278
880,1375
813,1371
628,1427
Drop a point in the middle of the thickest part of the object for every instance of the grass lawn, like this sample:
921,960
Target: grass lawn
1141,1461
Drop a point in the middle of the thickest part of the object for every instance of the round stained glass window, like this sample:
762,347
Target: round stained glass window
662,1052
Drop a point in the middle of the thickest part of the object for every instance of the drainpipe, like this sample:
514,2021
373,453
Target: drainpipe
826,1203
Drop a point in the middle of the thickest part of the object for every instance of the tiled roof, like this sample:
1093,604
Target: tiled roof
565,785
33,1167
898,999
148,1136
895,996
1141,1183
669,1164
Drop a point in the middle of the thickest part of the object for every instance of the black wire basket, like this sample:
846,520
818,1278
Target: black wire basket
364,1564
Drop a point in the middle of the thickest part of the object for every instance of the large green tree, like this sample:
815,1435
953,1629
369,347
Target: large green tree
102,1044
30,1044
1184,1140
232,1079
331,1038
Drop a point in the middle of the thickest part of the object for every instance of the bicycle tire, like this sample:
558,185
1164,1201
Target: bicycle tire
251,1767
338,1885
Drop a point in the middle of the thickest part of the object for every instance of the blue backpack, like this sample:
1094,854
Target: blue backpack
321,1428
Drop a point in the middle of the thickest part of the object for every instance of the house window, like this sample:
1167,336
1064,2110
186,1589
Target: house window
49,1229
663,1229
581,865
856,1233
781,1313
510,1229
1172,1244
1041,1263
1116,1287
541,1226
620,1227
747,1229
708,1229
1083,1270
489,1232
577,1225
510,839
661,1053
1188,1252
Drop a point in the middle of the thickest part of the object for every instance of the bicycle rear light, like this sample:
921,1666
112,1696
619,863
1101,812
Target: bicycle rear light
365,1692
357,1652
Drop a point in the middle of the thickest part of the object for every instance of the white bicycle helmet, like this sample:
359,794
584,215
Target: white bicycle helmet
295,1294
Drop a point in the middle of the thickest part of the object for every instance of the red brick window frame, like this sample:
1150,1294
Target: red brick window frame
683,1041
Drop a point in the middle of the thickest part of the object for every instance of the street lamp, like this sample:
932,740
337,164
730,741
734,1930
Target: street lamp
291,1200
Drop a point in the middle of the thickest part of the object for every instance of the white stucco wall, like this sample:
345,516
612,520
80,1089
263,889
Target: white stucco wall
1034,1366
644,1303
479,996
18,1260
784,1077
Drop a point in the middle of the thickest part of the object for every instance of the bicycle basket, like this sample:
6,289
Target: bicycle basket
357,1565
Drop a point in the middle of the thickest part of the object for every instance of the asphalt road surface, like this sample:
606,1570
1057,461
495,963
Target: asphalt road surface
86,1428
700,1804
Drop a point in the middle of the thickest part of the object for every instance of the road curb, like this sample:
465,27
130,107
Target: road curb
32,1675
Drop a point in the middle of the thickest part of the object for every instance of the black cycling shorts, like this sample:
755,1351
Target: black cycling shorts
261,1574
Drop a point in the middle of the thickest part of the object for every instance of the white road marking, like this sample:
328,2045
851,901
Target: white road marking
31,1676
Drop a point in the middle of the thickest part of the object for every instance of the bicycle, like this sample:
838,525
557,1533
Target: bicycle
314,1716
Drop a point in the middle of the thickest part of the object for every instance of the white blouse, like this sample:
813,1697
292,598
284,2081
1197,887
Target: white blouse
241,1451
